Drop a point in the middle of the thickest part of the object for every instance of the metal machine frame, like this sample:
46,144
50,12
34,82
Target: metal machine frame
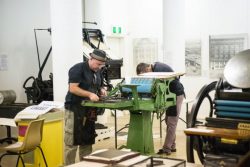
228,109
141,109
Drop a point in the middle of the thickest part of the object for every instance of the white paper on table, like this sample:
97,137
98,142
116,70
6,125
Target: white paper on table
7,122
54,104
32,112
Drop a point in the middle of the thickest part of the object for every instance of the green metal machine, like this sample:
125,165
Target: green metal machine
143,96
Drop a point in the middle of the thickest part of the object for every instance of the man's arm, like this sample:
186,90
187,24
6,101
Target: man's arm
76,90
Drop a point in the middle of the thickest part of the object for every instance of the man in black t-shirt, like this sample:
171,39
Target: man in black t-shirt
172,114
85,83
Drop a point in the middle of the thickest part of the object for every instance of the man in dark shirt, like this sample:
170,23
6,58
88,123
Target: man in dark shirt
85,83
171,118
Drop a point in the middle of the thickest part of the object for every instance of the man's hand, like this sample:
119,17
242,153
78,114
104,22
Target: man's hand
93,97
75,89
103,92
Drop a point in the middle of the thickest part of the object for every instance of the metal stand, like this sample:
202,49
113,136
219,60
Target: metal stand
117,131
140,137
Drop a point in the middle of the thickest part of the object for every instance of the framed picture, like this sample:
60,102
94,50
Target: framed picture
221,49
145,50
193,57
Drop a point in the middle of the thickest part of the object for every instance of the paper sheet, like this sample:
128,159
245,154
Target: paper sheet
33,112
54,104
7,122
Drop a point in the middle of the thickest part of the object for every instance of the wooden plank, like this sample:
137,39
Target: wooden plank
161,75
219,132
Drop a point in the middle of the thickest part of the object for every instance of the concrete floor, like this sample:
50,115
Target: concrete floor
110,142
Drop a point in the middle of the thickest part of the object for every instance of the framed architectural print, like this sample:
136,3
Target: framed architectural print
221,49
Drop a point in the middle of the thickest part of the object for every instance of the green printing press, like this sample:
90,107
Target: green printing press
143,96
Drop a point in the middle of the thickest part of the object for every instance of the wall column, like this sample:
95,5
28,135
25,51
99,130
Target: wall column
174,34
66,25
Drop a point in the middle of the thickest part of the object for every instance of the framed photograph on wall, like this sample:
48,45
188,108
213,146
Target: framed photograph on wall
221,49
193,57
145,50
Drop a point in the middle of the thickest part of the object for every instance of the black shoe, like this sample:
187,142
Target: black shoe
100,126
173,150
161,151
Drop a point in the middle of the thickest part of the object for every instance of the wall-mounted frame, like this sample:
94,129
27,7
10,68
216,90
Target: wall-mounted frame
221,49
193,57
145,50
3,62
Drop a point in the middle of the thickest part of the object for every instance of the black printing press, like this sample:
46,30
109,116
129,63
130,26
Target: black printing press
94,39
228,103
37,89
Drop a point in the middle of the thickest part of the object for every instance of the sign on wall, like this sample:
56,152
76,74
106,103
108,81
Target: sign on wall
3,62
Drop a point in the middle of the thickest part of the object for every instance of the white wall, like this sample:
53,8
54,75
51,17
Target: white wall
107,14
145,21
140,18
66,24
17,41
174,34
211,17
215,17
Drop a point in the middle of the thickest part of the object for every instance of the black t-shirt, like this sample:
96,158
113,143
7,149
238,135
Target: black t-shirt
87,79
175,86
